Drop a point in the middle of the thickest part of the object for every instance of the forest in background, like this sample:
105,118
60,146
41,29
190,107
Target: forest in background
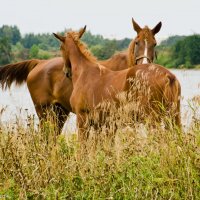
174,52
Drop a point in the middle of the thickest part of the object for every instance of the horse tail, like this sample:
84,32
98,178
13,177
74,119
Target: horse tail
16,72
172,94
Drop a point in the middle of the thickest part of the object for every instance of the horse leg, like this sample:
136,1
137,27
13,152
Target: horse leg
81,123
61,116
58,118
174,121
178,116
178,121
82,133
42,112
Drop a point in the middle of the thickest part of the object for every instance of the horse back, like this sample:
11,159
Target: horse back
117,62
158,82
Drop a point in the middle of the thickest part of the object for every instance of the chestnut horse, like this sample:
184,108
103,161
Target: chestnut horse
50,88
93,83
141,49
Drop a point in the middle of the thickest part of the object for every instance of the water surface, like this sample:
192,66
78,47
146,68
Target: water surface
18,104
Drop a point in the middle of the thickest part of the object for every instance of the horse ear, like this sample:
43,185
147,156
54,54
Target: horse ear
82,31
60,37
157,28
136,27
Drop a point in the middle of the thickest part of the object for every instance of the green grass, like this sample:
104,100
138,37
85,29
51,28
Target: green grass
164,164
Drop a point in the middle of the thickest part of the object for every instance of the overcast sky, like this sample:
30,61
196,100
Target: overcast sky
110,18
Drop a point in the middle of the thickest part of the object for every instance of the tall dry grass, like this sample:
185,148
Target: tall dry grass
122,159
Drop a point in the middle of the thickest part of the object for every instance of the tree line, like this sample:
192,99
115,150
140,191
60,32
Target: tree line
180,52
15,47
175,51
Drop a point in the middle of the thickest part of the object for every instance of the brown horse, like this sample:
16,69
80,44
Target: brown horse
93,83
50,88
141,49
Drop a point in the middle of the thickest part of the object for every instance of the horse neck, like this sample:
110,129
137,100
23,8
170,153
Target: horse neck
76,58
131,54
79,62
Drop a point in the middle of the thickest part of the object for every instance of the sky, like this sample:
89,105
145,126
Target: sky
110,18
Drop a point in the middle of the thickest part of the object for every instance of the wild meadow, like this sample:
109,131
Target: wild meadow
124,159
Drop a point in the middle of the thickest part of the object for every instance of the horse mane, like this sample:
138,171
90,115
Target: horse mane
82,46
131,56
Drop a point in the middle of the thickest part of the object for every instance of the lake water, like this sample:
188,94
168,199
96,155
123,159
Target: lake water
18,104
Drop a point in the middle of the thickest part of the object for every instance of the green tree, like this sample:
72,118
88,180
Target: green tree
123,44
172,40
29,40
11,32
104,51
34,50
19,52
98,51
5,51
92,40
186,52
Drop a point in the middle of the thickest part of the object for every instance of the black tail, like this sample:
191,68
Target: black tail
16,72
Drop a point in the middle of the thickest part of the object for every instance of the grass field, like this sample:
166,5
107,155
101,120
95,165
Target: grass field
135,162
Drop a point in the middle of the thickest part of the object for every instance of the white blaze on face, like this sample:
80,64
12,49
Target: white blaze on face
145,61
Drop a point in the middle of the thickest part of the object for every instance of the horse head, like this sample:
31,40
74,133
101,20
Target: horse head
64,50
143,47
